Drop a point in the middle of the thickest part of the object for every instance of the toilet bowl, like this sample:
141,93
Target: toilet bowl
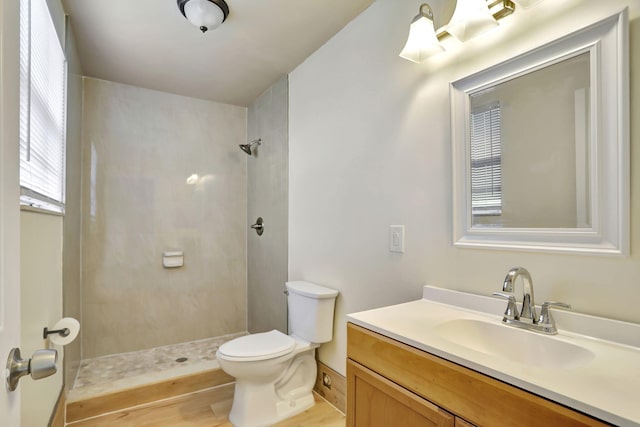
275,373
274,378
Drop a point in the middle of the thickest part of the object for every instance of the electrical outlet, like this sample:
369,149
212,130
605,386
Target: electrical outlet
326,380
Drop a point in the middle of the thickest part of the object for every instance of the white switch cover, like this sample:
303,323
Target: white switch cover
396,238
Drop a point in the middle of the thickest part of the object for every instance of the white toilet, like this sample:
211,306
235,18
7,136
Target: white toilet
275,373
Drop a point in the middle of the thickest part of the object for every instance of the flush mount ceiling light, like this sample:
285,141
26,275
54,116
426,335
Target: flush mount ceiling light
422,41
470,18
204,14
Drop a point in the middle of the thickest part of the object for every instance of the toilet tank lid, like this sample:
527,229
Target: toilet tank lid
310,290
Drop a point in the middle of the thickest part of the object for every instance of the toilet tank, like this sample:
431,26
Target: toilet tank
311,311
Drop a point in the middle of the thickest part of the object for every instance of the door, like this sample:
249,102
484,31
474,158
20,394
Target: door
375,401
9,202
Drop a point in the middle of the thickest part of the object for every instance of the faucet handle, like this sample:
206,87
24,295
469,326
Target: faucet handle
545,316
512,311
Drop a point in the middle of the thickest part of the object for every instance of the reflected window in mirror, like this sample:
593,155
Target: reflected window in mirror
486,163
543,126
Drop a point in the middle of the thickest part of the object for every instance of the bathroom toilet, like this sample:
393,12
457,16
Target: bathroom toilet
275,373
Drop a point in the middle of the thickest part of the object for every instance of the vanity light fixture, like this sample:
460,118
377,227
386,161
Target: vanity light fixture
204,14
470,18
422,41
526,4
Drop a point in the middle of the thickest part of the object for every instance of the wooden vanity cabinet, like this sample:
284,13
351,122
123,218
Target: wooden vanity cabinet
392,384
380,402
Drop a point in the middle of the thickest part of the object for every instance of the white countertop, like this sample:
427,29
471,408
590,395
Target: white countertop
607,387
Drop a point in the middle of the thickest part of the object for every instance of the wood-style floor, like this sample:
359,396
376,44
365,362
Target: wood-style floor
196,410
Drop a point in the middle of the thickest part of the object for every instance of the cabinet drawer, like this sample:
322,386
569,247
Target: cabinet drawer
378,402
473,396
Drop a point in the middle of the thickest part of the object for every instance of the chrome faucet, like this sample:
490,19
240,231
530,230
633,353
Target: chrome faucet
544,323
528,306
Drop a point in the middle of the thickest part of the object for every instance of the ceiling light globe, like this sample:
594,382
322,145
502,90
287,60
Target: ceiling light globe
204,14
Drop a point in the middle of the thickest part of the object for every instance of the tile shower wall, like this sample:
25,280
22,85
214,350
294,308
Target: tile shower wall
72,225
160,172
268,198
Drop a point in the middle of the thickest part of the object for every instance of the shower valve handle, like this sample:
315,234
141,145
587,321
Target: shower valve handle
259,226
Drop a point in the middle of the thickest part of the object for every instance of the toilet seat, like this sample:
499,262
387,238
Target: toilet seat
261,346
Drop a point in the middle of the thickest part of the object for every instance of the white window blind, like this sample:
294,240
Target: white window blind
42,109
486,161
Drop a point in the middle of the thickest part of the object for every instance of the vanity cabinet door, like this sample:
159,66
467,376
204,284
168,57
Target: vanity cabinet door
462,423
374,401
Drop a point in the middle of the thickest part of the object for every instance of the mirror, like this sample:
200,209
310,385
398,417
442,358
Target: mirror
540,147
529,152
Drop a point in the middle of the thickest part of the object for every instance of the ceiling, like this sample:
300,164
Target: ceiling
148,43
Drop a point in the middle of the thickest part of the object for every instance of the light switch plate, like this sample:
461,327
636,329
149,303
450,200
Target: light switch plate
396,238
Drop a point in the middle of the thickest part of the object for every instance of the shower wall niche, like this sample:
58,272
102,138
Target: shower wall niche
160,172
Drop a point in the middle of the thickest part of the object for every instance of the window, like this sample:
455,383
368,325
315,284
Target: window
486,158
42,109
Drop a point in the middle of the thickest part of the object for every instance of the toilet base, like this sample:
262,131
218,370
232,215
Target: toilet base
290,408
258,403
258,406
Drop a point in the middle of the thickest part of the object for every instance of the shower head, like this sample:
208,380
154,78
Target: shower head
247,147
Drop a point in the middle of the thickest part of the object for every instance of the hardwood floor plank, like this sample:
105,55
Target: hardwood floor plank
322,414
57,419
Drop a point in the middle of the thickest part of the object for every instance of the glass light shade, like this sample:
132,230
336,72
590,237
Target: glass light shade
470,18
204,14
422,41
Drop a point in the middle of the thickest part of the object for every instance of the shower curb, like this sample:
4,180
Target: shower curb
97,405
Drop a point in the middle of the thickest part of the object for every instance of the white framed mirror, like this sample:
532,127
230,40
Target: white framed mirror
540,147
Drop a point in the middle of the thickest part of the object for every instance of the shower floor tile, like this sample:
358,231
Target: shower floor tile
115,372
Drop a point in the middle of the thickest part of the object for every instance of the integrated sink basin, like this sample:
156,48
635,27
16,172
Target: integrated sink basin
512,344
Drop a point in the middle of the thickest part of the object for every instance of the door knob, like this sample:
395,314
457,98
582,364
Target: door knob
41,365
259,226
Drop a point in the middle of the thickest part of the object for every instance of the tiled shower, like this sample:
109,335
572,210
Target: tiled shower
162,172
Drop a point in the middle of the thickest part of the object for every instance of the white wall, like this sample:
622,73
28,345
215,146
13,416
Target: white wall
41,305
369,143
